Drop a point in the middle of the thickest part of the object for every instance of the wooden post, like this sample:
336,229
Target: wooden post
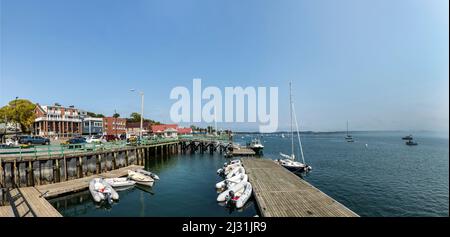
1,174
114,160
15,174
57,177
40,173
126,157
98,164
66,176
156,151
30,176
80,165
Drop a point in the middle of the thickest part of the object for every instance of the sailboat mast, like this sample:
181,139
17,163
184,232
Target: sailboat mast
347,128
290,113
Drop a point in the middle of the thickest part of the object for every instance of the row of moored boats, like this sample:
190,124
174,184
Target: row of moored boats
235,190
105,189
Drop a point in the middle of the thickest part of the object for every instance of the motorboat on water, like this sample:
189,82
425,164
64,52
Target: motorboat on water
409,137
120,182
102,191
289,161
239,198
256,146
411,143
141,179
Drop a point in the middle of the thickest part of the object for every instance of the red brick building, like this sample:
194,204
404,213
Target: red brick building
57,121
114,126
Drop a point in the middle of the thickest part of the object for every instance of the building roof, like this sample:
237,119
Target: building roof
163,127
184,130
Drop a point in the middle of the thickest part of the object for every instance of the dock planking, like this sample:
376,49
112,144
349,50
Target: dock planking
31,201
280,193
243,152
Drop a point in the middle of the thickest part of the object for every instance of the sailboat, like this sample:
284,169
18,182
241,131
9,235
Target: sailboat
349,138
289,161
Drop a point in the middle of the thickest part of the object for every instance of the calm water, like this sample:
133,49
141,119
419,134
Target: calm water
384,178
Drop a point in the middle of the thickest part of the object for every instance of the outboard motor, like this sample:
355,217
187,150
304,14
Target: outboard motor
108,198
229,198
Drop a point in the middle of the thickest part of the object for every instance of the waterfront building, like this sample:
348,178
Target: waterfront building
114,126
133,128
92,126
56,121
165,130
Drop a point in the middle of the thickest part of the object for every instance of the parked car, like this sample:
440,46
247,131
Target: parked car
29,140
109,138
76,142
95,139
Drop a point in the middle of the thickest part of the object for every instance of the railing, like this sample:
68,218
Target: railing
59,150
205,137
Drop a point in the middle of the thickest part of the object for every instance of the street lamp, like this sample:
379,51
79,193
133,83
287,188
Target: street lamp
142,111
17,115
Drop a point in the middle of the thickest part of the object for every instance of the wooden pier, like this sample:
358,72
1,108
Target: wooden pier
280,193
243,151
31,201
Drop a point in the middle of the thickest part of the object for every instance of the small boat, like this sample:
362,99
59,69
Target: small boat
409,137
289,161
229,168
241,197
228,183
120,182
102,191
292,165
141,178
282,135
231,162
222,197
256,146
237,170
411,143
148,173
348,137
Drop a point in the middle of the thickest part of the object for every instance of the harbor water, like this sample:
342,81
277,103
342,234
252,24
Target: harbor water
377,175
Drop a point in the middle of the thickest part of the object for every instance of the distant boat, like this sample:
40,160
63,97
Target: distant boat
282,135
409,137
411,143
349,138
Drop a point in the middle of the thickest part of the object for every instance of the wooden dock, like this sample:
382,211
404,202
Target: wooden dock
280,193
243,151
31,201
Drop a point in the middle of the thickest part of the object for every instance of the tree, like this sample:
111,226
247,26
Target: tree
20,111
135,117
116,115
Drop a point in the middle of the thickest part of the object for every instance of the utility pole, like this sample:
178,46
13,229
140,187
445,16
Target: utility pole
142,112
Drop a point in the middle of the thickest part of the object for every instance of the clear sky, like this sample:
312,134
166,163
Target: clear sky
381,64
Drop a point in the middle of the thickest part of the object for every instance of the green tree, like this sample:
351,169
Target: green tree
20,111
135,117
116,115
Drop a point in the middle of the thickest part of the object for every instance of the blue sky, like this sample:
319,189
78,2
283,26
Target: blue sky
383,65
